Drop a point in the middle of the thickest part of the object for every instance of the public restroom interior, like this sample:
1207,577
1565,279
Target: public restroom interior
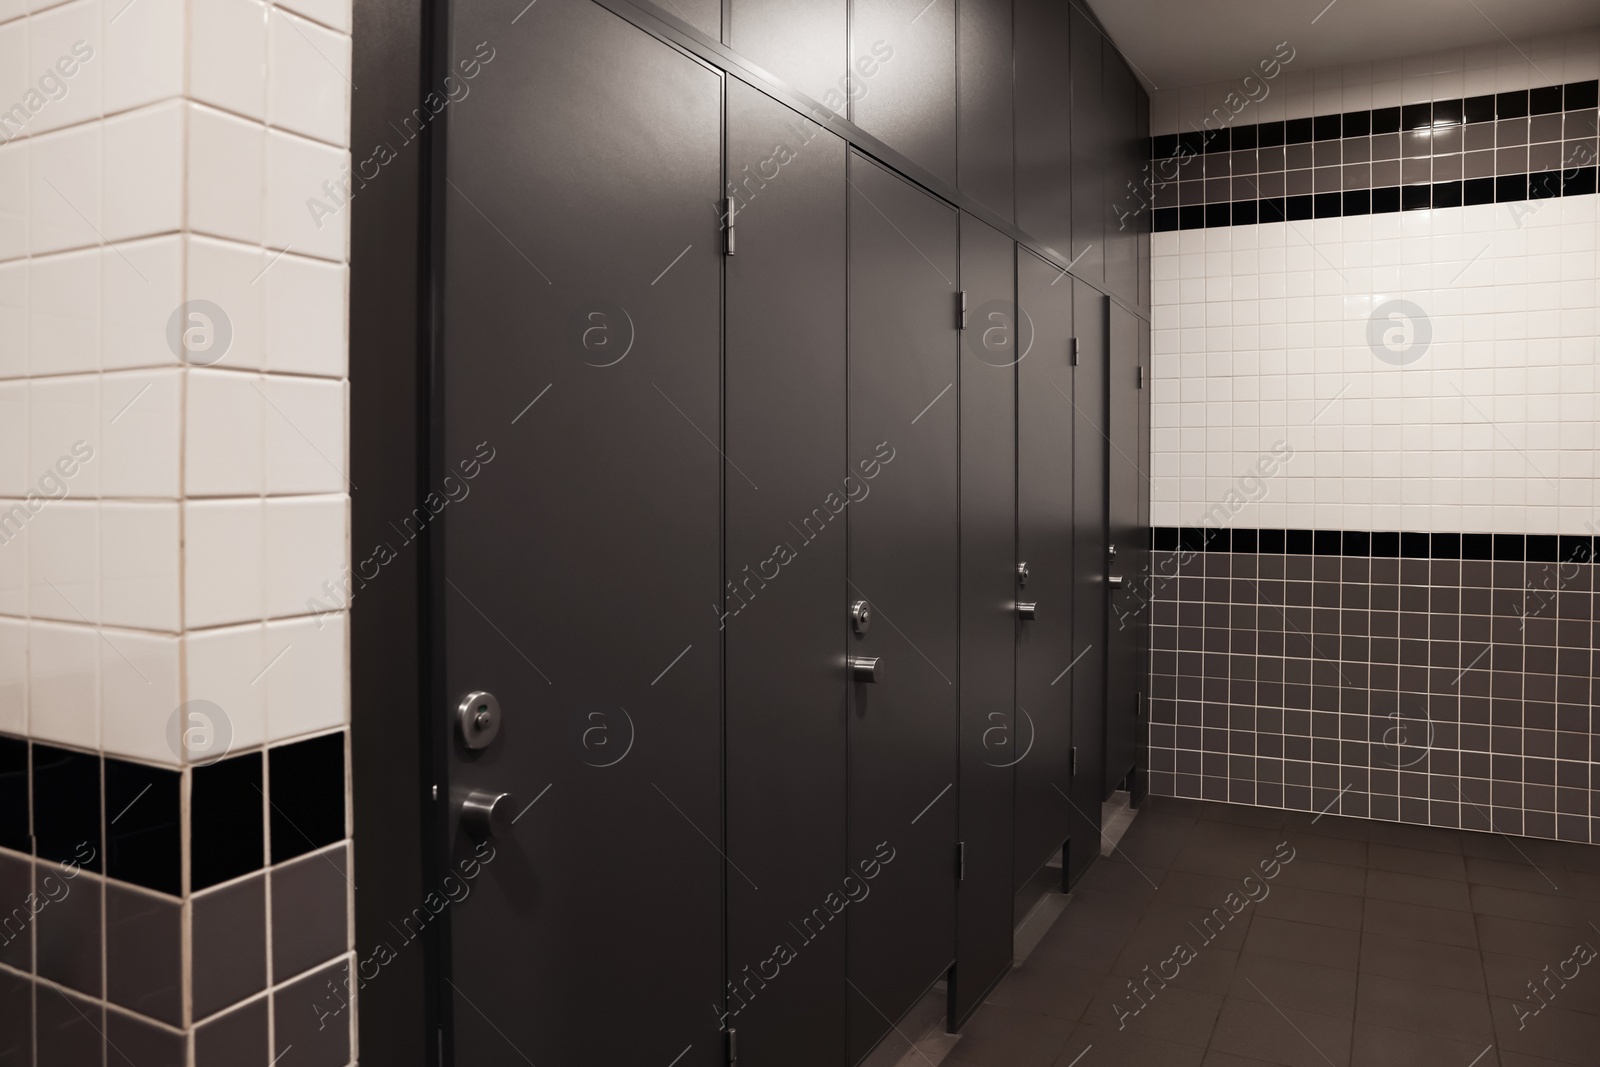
799,533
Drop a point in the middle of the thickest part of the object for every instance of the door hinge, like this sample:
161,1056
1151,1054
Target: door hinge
961,861
961,310
1139,383
1072,351
730,209
733,1048
1072,760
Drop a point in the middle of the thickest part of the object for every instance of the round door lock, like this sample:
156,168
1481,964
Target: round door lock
1022,574
861,616
478,717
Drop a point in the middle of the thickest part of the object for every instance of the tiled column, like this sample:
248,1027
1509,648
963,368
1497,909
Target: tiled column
175,870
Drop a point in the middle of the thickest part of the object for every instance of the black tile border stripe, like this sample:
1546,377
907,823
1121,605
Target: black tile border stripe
1523,103
1545,185
1393,544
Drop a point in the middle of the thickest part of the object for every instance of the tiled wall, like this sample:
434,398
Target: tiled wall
172,498
1376,314
1442,679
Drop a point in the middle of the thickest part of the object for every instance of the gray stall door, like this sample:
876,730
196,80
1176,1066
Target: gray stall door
581,391
903,557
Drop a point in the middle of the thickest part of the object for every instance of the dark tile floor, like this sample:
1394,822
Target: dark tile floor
1376,945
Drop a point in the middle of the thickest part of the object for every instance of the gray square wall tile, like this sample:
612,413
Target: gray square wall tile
68,928
228,941
142,1044
144,953
310,922
237,1039
312,1016
69,1028
16,912
16,1020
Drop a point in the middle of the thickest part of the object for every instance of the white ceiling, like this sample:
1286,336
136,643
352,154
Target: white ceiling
1178,43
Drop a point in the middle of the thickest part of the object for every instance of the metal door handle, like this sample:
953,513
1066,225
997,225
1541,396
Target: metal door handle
1028,609
1116,581
485,814
861,616
866,668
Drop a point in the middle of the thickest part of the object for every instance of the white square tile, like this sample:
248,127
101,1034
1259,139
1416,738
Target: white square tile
297,172
308,88
222,562
223,434
305,435
225,176
64,684
64,189
139,693
308,682
63,47
306,321
15,480
222,669
139,565
228,55
14,319
64,561
64,313
334,13
16,516
63,420
141,416
14,190
14,84
12,9
143,52
13,675
143,192
142,285
307,546
228,274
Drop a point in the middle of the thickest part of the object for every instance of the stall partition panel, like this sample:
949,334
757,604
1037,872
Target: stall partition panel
784,603
1045,666
1091,567
580,391
989,594
900,479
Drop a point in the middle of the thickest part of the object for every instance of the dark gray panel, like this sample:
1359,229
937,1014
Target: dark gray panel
903,560
1121,177
785,627
144,953
801,42
909,99
582,257
1045,653
229,945
984,114
1090,448
989,743
1125,676
1145,590
1089,157
1143,180
1044,123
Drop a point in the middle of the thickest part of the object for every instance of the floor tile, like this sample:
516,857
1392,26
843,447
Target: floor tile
1289,1037
1416,889
1109,1047
1452,966
1291,984
1425,1009
1312,906
1425,862
1379,1046
1443,926
1305,942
